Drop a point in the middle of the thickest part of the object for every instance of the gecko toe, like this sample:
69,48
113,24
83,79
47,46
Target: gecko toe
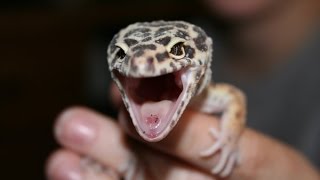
211,150
222,161
228,168
214,132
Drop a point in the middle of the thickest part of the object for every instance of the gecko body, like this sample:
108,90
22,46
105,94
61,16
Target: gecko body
160,68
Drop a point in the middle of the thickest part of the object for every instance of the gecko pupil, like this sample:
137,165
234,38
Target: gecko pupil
121,54
177,49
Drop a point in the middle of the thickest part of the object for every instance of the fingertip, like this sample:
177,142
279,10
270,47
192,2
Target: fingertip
63,165
76,128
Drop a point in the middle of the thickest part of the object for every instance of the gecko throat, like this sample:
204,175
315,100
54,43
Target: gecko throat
154,100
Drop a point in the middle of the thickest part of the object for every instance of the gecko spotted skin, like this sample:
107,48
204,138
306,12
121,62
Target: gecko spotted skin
160,68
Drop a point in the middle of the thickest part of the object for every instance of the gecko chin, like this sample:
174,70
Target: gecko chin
155,103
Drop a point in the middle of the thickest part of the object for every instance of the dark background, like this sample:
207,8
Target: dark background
52,56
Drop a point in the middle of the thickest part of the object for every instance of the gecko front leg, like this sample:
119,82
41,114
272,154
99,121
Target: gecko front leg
231,103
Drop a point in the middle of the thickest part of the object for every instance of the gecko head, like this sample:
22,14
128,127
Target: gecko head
159,67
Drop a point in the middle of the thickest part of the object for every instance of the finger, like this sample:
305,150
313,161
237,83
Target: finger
258,155
64,164
156,165
187,139
87,132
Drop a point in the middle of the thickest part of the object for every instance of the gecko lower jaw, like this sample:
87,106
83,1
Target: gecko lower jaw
154,101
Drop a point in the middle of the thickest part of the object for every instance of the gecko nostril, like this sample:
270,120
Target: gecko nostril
150,60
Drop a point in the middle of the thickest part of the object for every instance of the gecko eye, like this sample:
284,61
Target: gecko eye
120,54
177,51
123,49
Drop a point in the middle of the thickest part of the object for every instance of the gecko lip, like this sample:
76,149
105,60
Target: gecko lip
153,101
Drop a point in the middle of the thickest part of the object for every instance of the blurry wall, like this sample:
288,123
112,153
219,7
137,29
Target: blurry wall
52,55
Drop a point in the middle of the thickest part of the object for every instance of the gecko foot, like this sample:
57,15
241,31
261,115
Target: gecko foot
227,145
94,170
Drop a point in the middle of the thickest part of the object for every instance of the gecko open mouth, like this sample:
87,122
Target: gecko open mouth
154,100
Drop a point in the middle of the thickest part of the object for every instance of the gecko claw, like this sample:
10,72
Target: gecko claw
228,168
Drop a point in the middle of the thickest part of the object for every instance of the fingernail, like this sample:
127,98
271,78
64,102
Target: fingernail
62,170
75,128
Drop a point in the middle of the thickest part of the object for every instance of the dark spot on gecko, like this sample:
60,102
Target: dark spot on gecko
164,41
199,31
114,61
131,42
139,53
150,64
144,47
162,56
179,110
146,39
200,43
163,71
239,114
200,62
182,103
189,89
198,75
161,31
196,89
172,123
150,60
182,63
181,25
141,30
144,35
134,67
200,40
181,34
189,51
126,60
173,66
231,90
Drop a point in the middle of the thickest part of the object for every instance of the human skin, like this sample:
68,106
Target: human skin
83,132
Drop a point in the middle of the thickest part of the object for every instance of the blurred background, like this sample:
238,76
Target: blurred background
52,56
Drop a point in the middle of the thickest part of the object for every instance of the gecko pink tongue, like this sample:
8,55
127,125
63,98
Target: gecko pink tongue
154,113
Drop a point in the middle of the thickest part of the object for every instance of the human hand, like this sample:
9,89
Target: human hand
84,133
